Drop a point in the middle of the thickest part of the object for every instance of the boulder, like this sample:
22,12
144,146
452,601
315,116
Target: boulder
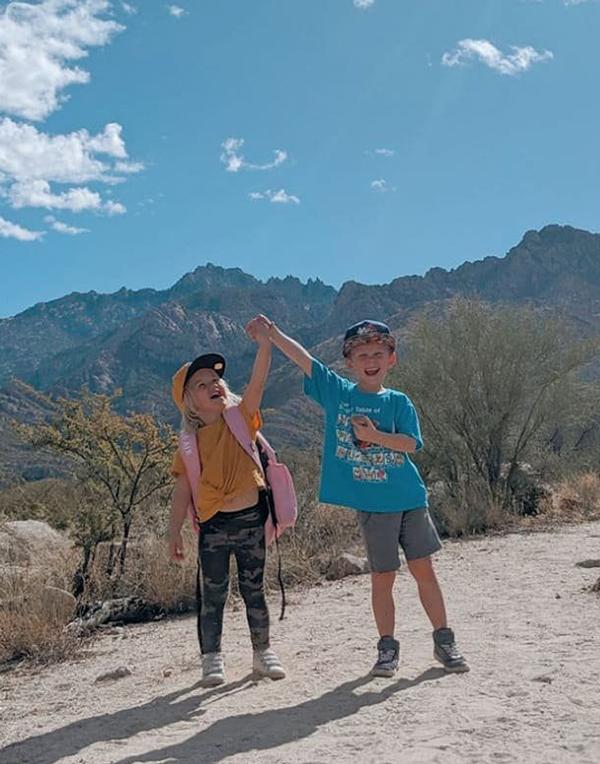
30,543
346,565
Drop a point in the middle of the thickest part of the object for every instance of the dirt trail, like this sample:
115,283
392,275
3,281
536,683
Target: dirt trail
530,631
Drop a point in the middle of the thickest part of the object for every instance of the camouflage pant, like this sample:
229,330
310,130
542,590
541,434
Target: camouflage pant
243,535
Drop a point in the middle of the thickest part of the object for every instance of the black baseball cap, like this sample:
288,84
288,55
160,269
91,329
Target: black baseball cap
212,361
367,331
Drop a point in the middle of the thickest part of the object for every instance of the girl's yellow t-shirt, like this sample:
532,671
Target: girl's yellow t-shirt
227,470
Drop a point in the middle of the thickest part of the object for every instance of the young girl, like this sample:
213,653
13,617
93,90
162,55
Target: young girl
231,504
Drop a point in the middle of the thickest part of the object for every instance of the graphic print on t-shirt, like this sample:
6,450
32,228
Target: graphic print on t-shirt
370,462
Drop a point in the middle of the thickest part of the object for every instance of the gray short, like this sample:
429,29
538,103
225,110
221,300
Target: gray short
385,532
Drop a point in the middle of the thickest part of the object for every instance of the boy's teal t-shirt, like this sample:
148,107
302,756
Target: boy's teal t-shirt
365,477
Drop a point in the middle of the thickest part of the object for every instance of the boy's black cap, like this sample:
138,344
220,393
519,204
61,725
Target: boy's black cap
364,331
212,361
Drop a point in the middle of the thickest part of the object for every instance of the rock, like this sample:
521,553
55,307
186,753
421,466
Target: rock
588,564
30,543
596,586
346,565
119,673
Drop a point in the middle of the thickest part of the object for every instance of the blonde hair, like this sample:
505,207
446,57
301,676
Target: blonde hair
191,421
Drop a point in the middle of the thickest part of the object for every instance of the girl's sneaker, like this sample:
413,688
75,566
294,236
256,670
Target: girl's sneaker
266,663
388,651
213,669
445,650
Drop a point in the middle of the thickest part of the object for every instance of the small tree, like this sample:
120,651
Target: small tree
491,385
124,460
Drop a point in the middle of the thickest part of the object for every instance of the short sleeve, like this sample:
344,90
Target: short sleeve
254,421
177,465
324,385
407,420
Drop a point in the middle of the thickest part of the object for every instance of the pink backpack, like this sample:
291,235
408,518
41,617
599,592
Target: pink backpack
283,509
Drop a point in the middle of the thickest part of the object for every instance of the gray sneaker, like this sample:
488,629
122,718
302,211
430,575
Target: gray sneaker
447,653
266,663
388,650
213,669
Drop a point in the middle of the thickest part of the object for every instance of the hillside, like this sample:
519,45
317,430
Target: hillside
134,340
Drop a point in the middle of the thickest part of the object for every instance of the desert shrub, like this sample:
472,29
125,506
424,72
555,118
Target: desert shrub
576,498
30,626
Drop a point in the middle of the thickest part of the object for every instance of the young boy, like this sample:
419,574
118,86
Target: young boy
370,431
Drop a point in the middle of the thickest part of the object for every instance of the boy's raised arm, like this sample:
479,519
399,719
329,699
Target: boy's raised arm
289,347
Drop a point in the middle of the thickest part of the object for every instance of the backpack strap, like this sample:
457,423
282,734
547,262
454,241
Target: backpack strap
240,430
188,448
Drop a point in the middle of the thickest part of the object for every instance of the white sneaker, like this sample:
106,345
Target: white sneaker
213,669
266,663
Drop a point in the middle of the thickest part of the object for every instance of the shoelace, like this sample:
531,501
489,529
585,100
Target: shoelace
214,664
270,659
451,650
386,656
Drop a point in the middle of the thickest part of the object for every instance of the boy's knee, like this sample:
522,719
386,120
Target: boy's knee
422,568
384,580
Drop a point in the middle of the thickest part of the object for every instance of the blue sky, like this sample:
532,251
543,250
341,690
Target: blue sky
312,137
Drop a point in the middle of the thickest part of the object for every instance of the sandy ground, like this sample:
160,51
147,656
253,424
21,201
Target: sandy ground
523,618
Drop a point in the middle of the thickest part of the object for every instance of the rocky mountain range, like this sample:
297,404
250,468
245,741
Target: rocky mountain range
134,340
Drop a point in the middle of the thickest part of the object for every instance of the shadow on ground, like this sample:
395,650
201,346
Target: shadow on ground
226,737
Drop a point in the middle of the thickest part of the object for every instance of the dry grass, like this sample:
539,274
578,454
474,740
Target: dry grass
576,499
31,626
149,574
468,510
321,534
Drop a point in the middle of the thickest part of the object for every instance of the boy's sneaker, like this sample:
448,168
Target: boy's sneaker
446,652
266,663
388,650
213,669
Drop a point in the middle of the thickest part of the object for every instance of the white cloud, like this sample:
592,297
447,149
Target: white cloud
381,186
27,153
109,141
363,4
31,160
519,60
385,152
10,230
128,168
276,197
37,43
60,227
129,9
234,160
177,11
37,193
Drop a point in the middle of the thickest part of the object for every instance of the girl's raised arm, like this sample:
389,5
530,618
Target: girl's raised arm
288,346
253,394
